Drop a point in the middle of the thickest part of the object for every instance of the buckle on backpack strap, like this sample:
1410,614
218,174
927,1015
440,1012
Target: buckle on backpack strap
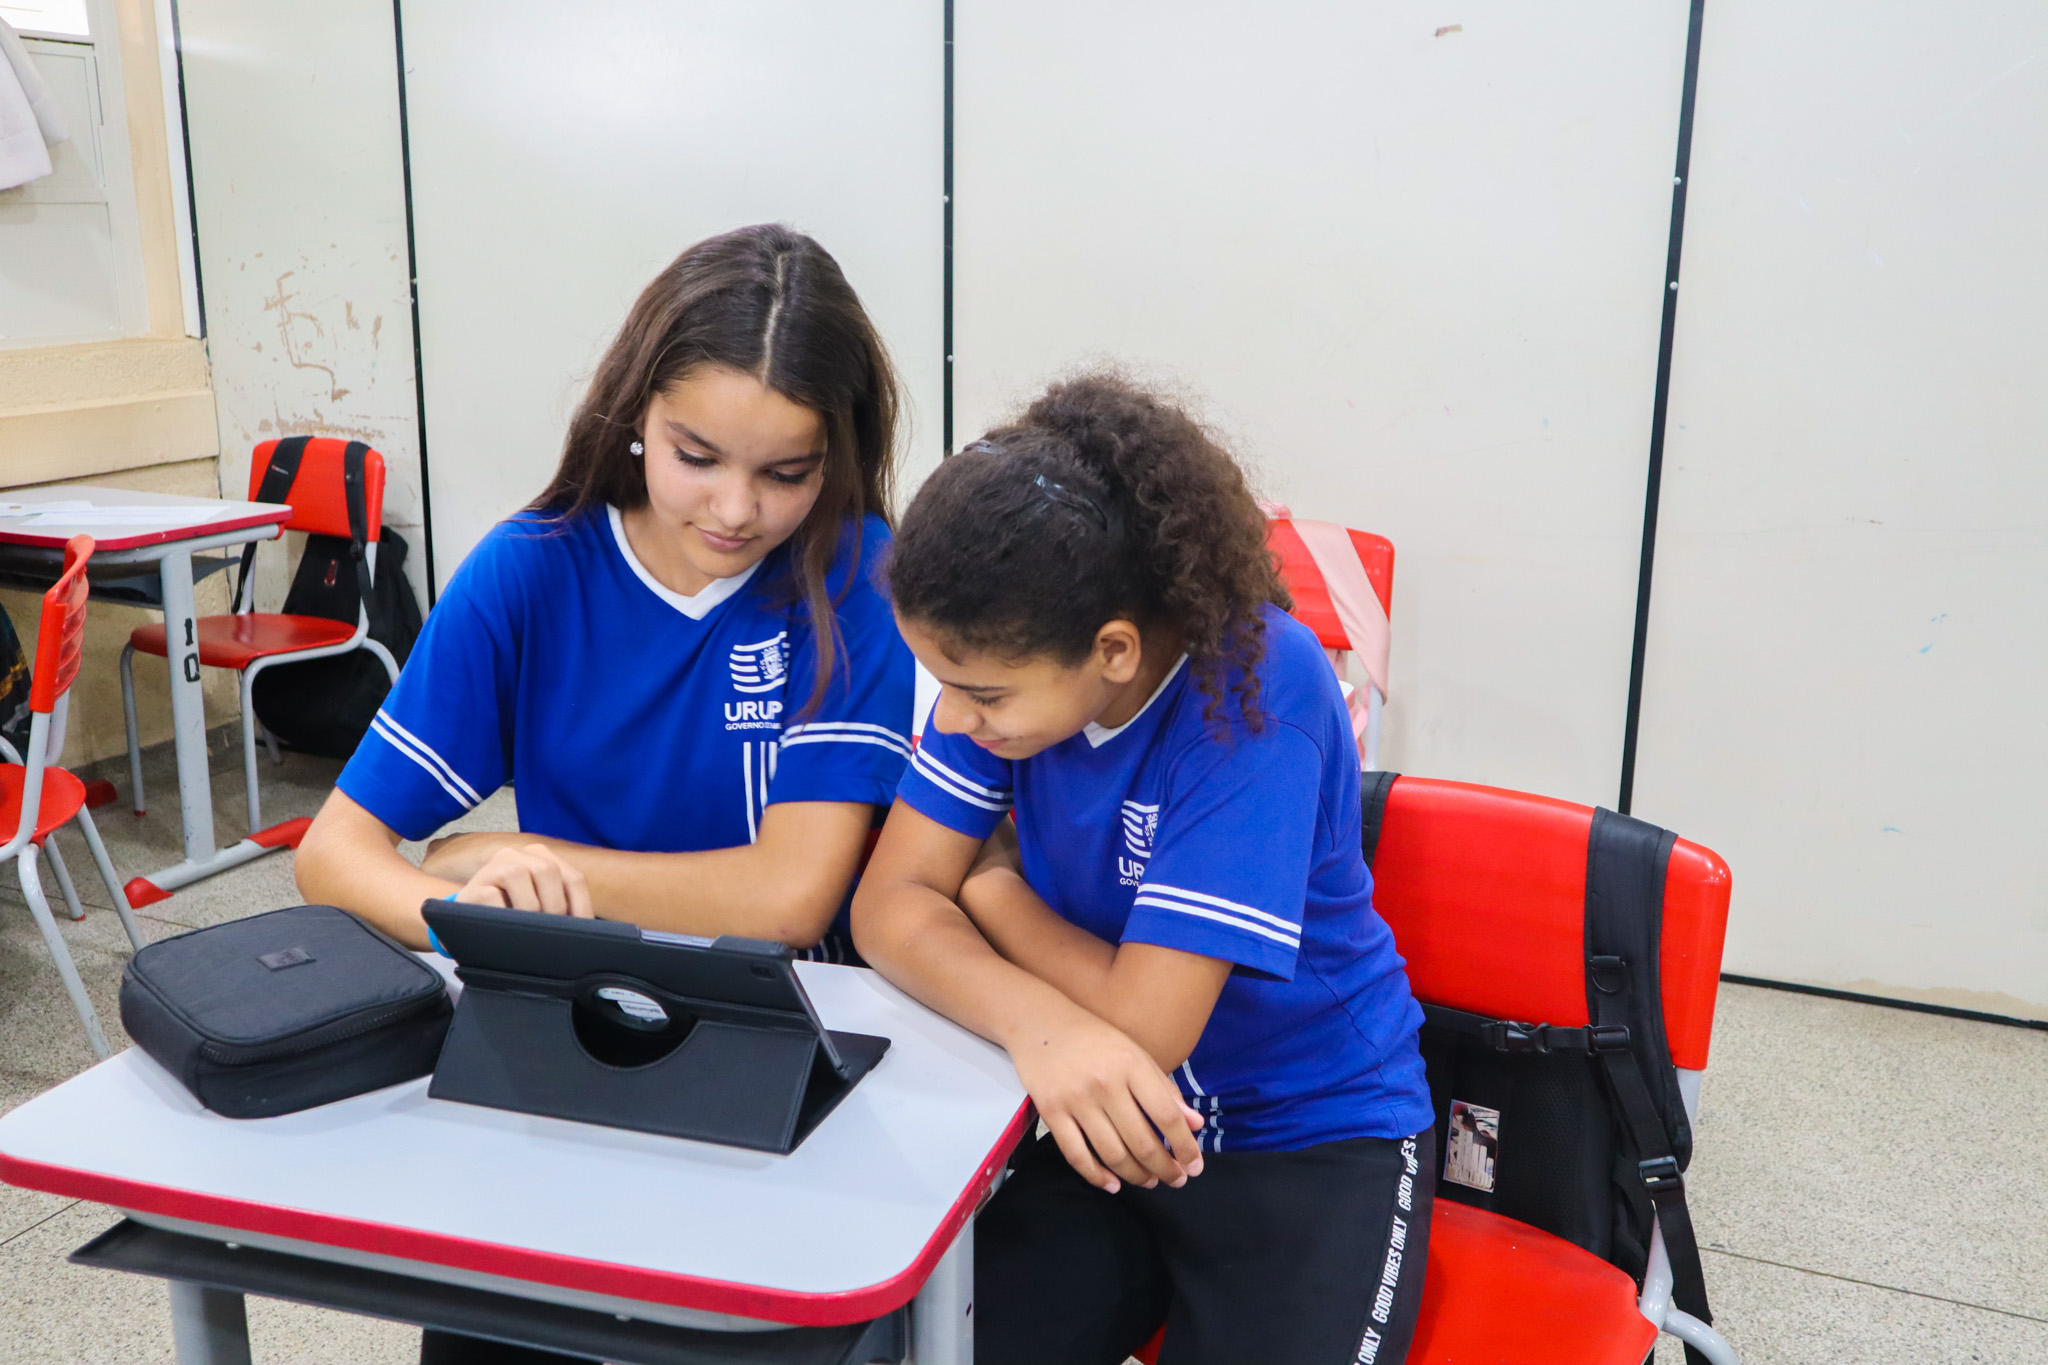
1505,1035
1608,1037
1661,1174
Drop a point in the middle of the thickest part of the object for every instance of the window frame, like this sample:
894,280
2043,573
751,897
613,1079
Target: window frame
109,132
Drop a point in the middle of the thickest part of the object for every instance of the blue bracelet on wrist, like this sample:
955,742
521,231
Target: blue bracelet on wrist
432,940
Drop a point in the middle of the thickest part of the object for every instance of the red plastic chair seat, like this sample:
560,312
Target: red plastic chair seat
238,641
1500,1292
63,797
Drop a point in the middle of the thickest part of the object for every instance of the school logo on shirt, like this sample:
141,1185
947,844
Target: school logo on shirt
761,666
1141,825
753,715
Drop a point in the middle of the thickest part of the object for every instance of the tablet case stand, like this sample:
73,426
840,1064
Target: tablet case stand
743,1075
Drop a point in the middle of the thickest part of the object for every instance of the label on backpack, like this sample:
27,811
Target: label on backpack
1473,1147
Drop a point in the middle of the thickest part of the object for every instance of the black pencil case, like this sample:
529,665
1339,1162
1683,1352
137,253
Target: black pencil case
285,1010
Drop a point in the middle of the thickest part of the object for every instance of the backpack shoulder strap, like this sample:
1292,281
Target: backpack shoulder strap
1626,861
354,459
283,468
1373,787
278,477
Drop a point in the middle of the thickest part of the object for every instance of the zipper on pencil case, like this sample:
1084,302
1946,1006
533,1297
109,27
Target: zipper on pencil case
338,1031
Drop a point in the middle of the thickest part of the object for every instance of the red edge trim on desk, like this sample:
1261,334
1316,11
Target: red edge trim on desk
540,1267
190,531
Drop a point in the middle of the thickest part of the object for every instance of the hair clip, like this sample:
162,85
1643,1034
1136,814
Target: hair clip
1067,497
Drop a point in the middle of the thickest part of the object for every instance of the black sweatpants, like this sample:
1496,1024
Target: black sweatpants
1312,1257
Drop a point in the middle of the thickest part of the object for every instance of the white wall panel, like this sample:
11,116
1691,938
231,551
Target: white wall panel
1417,275
300,193
1850,625
563,154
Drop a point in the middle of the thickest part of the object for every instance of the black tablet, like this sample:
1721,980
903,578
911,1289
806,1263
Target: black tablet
609,1023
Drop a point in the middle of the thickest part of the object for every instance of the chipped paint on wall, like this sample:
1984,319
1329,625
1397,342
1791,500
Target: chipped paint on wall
301,230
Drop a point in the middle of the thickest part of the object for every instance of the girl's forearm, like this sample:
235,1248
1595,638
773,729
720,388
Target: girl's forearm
927,946
1018,923
1161,998
350,859
786,886
744,891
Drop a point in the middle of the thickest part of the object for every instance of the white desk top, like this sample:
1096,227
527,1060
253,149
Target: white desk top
845,1228
182,518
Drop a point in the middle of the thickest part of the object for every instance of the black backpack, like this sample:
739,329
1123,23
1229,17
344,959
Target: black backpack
1601,1138
324,706
14,686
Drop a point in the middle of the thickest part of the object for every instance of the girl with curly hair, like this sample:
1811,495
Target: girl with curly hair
1175,941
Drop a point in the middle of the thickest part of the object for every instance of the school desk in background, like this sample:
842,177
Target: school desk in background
151,548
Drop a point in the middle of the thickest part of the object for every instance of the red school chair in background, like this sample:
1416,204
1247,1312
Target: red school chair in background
1342,582
36,798
312,475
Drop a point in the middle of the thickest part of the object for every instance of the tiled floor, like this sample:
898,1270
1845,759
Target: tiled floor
52,1312
1870,1183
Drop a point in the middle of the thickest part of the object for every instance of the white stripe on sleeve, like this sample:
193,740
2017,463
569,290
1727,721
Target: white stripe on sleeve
957,787
1179,893
426,750
378,723
846,732
1242,925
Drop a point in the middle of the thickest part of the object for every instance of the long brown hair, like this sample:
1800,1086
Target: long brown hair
770,302
1103,501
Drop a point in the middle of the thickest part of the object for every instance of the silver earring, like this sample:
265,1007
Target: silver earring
637,448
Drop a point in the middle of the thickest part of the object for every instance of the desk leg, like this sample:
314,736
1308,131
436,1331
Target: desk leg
210,1326
188,706
942,1315
188,733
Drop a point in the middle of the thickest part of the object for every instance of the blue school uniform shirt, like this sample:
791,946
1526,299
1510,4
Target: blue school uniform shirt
1234,844
627,715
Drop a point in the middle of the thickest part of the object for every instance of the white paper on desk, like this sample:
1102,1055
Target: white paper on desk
22,509
120,514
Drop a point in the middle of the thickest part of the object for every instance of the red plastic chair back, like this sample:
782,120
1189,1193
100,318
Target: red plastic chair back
1311,599
60,638
1485,892
318,502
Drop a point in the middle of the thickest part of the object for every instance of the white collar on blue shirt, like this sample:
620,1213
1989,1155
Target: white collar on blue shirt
1097,736
697,607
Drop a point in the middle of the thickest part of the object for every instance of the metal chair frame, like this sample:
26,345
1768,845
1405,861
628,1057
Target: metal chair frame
55,667
245,605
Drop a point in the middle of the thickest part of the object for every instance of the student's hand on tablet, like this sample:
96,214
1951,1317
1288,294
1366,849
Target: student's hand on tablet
529,877
1107,1103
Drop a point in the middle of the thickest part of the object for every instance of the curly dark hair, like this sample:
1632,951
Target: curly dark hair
1104,501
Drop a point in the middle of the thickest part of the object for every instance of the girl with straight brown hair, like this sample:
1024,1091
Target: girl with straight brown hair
676,652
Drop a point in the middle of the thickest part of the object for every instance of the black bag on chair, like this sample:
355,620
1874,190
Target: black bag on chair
1601,1133
14,681
324,706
